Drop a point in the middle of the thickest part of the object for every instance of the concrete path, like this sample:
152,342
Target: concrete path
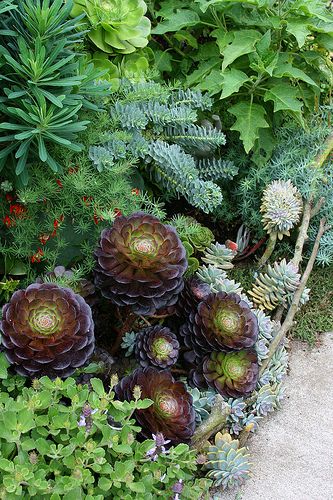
292,453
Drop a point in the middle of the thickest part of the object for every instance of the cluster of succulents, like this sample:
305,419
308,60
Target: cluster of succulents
115,25
281,207
140,263
277,286
47,330
171,412
227,464
195,238
219,335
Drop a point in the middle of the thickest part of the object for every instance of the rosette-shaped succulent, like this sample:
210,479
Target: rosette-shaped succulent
157,346
115,25
281,207
219,256
232,374
172,411
227,464
140,263
222,321
47,330
193,293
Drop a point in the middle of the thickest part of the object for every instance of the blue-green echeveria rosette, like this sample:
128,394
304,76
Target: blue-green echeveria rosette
140,263
156,346
223,321
115,25
47,330
172,412
232,374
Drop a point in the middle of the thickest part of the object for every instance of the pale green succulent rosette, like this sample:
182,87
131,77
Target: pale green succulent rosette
116,25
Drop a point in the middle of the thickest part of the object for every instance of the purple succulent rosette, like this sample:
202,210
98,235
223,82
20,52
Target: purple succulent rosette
47,330
172,412
140,263
193,293
232,374
223,321
156,346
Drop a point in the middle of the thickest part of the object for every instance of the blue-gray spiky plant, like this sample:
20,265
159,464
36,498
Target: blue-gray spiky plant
227,464
277,286
159,127
281,207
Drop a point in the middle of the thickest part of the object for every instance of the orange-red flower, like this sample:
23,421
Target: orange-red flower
37,257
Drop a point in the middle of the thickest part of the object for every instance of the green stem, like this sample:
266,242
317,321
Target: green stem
269,249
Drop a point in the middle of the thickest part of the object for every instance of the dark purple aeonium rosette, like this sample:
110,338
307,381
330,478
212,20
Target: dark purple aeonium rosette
193,293
156,346
172,412
232,374
222,321
140,263
47,330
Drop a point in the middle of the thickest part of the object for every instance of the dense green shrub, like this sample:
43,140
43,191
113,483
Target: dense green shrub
57,219
261,59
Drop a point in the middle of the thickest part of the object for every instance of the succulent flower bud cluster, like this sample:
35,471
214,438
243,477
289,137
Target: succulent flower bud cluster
281,207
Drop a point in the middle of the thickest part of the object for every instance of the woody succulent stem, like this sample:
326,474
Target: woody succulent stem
120,332
214,423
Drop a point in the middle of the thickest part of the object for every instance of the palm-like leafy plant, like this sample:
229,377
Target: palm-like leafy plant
44,83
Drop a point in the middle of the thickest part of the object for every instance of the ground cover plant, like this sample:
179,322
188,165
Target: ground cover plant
151,268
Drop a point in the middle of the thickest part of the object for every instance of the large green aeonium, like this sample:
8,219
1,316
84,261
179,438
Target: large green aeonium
115,25
172,411
222,321
47,330
232,374
140,263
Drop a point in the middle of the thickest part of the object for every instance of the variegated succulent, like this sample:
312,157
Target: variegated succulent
140,263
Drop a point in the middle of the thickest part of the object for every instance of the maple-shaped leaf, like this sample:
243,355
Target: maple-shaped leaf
240,45
250,118
233,79
284,97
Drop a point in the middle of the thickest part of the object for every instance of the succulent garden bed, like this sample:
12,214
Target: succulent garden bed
151,152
